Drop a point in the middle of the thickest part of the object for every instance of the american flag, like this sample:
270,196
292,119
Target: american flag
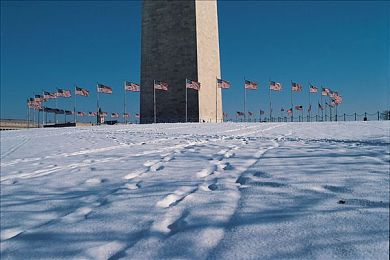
114,115
332,104
137,115
82,92
325,91
296,86
240,113
92,114
250,113
129,86
126,115
250,84
68,112
223,83
338,99
161,85
275,86
299,108
289,110
309,109
103,113
192,84
38,98
80,113
59,111
48,95
262,112
313,89
320,106
34,104
63,93
282,110
333,94
104,89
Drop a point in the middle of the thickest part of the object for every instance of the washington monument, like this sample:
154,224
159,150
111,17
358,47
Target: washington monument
180,41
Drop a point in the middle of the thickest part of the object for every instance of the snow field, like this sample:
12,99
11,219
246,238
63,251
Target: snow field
196,191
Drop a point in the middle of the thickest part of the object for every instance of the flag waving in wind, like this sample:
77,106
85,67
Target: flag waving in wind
129,86
82,92
296,86
250,84
104,89
63,93
192,84
299,108
275,86
313,89
161,85
223,83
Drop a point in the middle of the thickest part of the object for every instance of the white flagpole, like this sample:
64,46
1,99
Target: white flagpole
292,105
270,103
244,101
322,105
186,101
216,100
154,100
55,114
43,108
97,104
124,103
309,105
28,114
74,109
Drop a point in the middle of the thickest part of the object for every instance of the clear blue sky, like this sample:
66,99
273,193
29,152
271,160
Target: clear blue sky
342,45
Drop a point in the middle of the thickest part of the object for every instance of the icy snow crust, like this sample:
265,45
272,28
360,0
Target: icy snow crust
196,191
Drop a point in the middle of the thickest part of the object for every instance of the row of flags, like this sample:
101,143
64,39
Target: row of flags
290,110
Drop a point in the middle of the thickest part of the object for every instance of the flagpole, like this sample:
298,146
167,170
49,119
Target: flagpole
292,106
244,101
270,103
28,114
124,102
43,108
216,100
154,100
97,104
322,109
309,105
74,108
186,101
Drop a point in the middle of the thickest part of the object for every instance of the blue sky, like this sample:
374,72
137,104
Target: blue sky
341,45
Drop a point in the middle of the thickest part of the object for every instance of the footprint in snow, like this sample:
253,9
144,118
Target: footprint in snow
79,214
134,174
10,233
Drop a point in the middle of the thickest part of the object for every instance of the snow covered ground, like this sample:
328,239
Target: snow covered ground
197,191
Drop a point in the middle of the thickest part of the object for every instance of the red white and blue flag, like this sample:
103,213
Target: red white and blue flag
320,106
290,110
240,113
262,112
192,84
129,86
82,92
296,86
325,91
223,83
114,115
250,85
137,115
80,113
300,108
48,95
276,86
92,114
104,89
63,93
313,89
126,115
161,85
309,109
